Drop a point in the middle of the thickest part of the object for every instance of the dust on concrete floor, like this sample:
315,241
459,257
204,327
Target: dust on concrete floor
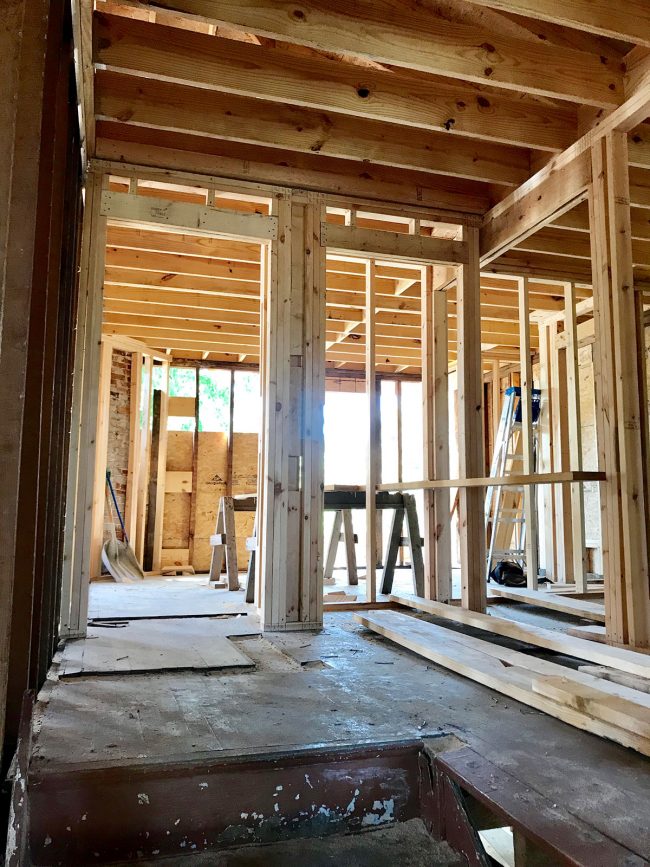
192,596
343,684
407,844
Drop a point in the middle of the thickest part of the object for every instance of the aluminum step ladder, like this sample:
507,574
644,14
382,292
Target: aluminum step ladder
505,519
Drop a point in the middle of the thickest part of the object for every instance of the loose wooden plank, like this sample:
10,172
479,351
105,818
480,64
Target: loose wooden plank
577,607
629,680
615,657
478,661
618,711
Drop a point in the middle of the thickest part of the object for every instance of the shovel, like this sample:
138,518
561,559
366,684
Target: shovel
117,557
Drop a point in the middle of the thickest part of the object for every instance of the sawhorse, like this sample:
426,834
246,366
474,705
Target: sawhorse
224,543
342,517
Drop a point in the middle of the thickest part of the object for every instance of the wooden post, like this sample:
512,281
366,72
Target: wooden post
143,458
630,403
133,472
291,555
157,474
231,434
561,460
372,479
470,427
579,564
399,449
545,445
435,417
528,448
620,404
195,463
91,279
23,46
379,526
495,415
101,449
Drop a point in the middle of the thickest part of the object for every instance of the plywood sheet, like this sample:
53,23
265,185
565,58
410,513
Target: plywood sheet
154,645
176,521
244,463
179,450
176,512
211,472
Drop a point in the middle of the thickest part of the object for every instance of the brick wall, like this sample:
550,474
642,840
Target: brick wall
118,429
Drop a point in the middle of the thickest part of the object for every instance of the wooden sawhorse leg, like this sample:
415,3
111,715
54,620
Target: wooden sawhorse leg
335,538
251,544
350,551
224,540
395,541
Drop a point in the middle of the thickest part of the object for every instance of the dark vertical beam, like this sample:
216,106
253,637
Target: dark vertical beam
30,44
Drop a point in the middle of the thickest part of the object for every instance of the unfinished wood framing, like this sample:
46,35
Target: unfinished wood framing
83,465
528,443
470,427
435,417
294,381
374,441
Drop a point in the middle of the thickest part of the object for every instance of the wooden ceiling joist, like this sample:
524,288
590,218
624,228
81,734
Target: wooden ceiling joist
392,34
165,106
317,82
629,21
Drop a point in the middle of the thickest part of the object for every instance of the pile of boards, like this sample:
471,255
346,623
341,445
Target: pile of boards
610,698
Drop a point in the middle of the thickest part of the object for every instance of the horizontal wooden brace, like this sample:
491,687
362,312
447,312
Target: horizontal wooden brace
498,481
184,216
393,245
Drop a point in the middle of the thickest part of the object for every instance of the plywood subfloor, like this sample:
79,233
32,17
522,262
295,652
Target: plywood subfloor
159,645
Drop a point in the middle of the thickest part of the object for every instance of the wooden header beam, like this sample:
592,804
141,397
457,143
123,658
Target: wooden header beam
392,245
184,217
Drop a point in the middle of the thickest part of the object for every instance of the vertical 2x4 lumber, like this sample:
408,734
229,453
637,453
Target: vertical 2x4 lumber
161,471
546,450
441,441
274,550
470,427
435,415
143,461
231,432
605,392
91,278
631,404
579,564
528,447
428,432
373,444
101,450
564,534
266,275
311,604
294,376
132,479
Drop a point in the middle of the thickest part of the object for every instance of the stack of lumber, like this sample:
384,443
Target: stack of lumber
593,703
